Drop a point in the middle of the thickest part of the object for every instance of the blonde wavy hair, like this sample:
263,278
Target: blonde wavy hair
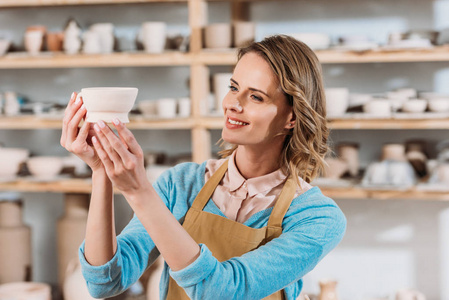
300,78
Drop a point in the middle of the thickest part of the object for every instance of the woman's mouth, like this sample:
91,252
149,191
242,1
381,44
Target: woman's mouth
234,122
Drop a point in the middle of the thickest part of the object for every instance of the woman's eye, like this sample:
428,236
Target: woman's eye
256,98
232,88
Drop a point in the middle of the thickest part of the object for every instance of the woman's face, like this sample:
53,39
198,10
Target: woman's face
255,108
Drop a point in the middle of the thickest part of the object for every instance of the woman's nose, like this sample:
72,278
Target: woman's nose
234,105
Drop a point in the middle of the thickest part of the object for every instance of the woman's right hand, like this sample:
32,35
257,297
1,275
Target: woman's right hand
78,141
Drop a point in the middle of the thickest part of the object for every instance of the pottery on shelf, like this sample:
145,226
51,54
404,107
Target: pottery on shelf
25,291
75,287
71,228
315,41
414,105
153,36
394,152
108,103
72,38
378,107
221,82
244,33
218,36
147,107
349,152
337,101
166,108
335,168
328,290
105,36
45,166
55,41
15,239
4,46
11,159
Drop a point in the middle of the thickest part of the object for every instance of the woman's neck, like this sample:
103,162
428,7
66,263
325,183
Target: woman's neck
256,161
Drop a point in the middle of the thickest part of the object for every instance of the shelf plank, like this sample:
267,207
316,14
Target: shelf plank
34,3
122,59
82,186
390,124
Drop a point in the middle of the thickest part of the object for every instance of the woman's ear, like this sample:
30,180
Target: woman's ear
291,121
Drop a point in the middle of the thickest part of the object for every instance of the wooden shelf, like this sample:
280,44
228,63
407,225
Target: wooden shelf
439,123
122,59
33,3
84,186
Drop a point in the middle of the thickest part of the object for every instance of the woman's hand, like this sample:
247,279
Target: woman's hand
76,140
122,158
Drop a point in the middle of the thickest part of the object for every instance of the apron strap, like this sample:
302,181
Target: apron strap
274,226
209,187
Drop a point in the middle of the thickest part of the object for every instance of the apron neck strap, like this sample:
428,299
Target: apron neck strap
209,187
282,204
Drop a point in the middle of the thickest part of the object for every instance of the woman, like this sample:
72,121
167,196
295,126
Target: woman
264,228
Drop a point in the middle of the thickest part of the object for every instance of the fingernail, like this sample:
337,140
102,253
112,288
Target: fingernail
101,123
73,95
116,121
97,129
83,106
78,100
94,140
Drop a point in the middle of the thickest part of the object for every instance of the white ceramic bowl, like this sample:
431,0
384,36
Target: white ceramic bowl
414,105
147,107
4,46
337,100
10,160
379,107
45,166
316,41
439,104
359,99
108,103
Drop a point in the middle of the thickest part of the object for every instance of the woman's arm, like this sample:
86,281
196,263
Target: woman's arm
123,162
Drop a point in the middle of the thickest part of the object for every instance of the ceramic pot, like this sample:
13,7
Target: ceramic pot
337,101
153,36
414,105
15,238
394,152
349,152
315,41
147,107
335,168
11,159
184,107
33,41
379,107
25,291
221,82
4,46
45,166
71,228
91,42
55,41
72,40
166,108
328,290
244,33
108,103
154,278
218,35
105,35
74,287
12,105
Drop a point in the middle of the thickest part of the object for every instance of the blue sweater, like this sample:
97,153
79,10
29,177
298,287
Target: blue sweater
312,227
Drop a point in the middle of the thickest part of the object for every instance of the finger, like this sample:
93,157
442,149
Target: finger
70,111
106,145
72,127
84,132
107,163
115,142
128,138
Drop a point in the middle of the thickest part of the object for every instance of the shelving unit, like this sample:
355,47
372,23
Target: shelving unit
199,60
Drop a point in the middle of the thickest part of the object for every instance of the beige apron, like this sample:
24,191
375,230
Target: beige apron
226,238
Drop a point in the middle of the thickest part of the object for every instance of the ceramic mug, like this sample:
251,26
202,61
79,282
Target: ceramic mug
378,107
108,103
166,108
33,41
153,36
244,33
184,107
337,101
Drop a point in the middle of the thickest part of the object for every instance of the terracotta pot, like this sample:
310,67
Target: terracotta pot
25,291
328,290
15,240
74,287
71,229
55,41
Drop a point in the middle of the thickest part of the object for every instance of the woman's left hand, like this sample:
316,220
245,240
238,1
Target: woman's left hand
122,158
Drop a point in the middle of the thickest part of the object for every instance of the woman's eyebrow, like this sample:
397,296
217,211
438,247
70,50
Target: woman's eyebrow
251,89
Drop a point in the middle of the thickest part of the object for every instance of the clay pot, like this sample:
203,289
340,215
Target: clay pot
328,290
10,160
349,152
71,229
74,287
153,36
244,33
335,168
15,239
154,278
55,41
337,102
218,36
25,291
394,152
108,103
45,166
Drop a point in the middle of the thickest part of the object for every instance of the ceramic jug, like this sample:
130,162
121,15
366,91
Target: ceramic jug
328,290
15,240
71,230
74,287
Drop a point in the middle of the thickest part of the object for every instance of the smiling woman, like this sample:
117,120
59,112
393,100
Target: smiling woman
246,226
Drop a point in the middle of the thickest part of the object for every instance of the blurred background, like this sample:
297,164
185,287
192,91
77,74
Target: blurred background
386,72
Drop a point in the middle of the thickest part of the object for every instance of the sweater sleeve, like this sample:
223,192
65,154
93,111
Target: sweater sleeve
308,236
135,252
